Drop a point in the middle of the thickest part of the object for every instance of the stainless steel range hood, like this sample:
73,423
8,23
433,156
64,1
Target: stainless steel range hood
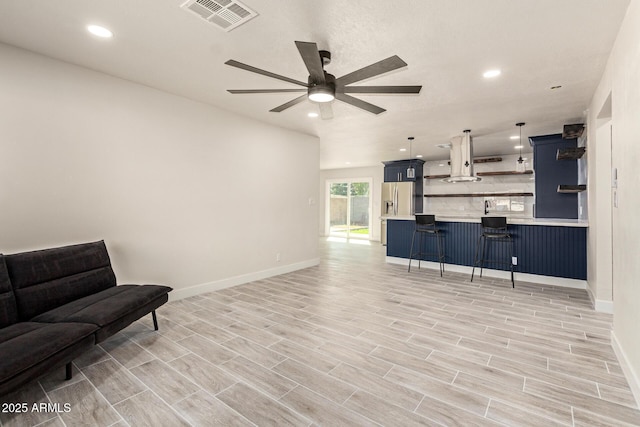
461,159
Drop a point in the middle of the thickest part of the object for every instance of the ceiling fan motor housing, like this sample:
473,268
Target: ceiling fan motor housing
328,87
325,56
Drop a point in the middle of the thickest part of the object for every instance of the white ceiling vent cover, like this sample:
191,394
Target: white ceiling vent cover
225,14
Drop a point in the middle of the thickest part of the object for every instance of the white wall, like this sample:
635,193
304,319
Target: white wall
182,193
621,81
376,174
599,243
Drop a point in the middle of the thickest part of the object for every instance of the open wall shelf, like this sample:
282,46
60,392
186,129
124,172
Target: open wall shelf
481,195
483,160
499,173
494,173
571,188
570,153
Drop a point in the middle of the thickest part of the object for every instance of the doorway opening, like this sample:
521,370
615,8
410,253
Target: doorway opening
349,207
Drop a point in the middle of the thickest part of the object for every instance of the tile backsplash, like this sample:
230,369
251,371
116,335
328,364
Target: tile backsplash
520,206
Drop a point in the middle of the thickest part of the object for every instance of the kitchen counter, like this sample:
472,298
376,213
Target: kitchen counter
559,222
556,248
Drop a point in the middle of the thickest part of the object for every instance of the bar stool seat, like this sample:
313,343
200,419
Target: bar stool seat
494,229
426,227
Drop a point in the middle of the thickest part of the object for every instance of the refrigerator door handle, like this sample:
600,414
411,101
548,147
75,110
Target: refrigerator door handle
395,200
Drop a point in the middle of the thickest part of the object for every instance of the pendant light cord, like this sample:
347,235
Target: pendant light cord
410,157
520,160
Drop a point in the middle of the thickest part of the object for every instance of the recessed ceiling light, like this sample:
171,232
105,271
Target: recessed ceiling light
491,73
347,163
447,146
403,149
517,147
312,114
514,137
441,164
419,156
99,31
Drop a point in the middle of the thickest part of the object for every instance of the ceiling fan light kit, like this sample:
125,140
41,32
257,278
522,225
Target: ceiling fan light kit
322,87
322,92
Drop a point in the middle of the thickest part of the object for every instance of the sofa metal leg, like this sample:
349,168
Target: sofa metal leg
155,320
69,371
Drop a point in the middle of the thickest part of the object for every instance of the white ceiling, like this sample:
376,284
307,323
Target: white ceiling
447,45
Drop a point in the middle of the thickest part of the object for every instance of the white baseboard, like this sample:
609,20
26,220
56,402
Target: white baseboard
627,369
177,294
600,305
603,306
499,274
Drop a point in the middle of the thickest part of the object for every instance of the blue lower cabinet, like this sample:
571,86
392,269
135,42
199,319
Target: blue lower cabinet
545,250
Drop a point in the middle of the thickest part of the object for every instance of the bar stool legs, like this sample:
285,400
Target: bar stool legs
411,253
494,230
478,258
513,284
440,253
417,254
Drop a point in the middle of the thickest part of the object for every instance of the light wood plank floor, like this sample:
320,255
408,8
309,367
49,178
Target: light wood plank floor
354,341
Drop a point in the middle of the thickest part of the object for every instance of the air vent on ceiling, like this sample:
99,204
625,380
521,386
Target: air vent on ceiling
225,14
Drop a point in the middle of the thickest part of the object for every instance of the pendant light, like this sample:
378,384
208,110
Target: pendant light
520,166
411,172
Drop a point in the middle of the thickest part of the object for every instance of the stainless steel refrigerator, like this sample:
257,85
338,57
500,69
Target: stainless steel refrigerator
397,200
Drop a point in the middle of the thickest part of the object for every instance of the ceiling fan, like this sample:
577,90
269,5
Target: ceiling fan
322,87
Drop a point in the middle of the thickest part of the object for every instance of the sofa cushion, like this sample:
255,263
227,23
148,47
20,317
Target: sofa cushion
111,309
49,278
8,308
28,344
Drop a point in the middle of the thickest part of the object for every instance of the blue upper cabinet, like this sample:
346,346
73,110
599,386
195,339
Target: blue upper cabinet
550,173
396,171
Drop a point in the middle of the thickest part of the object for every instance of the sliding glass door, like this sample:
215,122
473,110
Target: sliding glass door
349,208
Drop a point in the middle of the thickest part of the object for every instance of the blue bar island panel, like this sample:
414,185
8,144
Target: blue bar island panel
545,250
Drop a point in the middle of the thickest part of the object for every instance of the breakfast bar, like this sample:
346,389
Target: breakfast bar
542,247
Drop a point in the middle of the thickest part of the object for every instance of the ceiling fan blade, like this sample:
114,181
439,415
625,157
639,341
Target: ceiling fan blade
326,111
382,89
263,72
289,104
241,91
312,60
380,67
359,103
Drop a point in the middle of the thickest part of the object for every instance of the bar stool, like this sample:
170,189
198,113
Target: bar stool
494,229
426,226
